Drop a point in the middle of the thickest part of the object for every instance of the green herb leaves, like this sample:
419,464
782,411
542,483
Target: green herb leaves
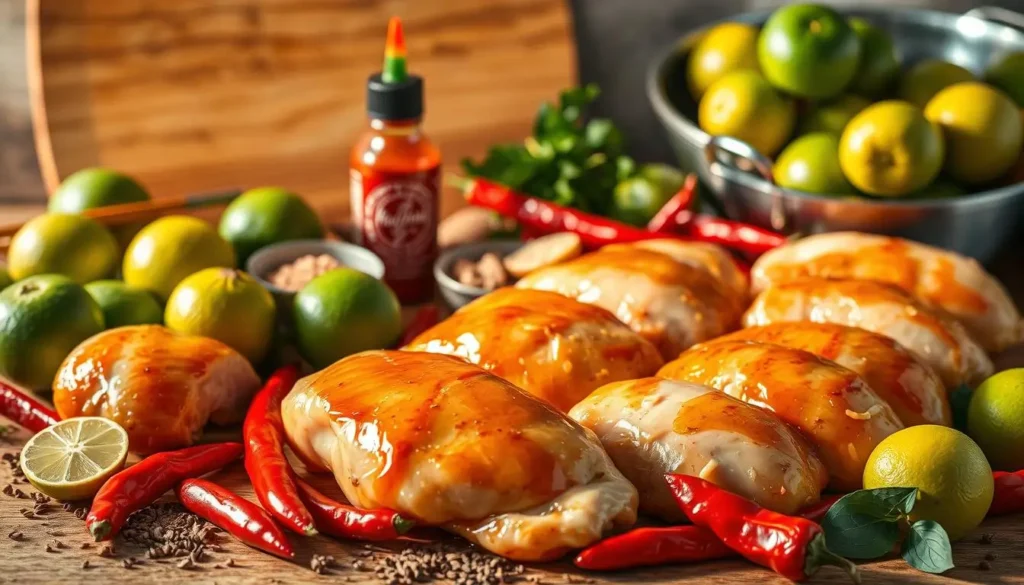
866,525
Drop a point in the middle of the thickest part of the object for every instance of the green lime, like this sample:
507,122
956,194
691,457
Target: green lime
745,106
123,305
171,248
995,419
1007,73
342,312
920,84
97,187
724,48
878,65
808,50
227,305
833,115
63,243
43,318
811,164
637,199
268,215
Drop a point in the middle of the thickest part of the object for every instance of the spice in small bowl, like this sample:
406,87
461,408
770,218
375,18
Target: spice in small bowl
297,262
292,276
487,273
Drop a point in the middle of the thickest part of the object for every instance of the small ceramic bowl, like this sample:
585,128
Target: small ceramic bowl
266,260
454,292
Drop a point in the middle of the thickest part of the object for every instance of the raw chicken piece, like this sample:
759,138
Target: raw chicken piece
934,338
651,427
938,278
671,303
161,386
833,407
913,390
445,442
712,258
552,346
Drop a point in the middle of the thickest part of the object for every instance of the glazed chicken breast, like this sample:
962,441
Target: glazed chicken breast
161,386
673,304
554,347
651,427
444,441
832,406
913,390
933,337
938,278
714,259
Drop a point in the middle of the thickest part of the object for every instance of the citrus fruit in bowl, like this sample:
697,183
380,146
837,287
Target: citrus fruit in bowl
63,243
890,149
43,318
164,252
808,50
267,215
953,478
995,419
74,458
227,305
724,48
342,312
982,131
745,106
811,164
637,199
97,187
123,305
879,65
832,115
5,277
1007,74
921,82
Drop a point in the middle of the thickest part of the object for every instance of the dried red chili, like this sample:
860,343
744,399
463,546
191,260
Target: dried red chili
792,546
142,483
271,475
1009,493
25,410
344,521
241,518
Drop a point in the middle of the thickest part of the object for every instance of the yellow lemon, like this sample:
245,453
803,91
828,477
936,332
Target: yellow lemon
953,478
63,243
72,459
995,419
727,47
745,106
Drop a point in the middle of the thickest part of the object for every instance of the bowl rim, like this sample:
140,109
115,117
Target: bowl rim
340,250
676,122
449,256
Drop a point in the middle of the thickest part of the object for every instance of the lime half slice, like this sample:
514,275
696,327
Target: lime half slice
72,459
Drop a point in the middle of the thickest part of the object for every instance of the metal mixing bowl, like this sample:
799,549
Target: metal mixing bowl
741,179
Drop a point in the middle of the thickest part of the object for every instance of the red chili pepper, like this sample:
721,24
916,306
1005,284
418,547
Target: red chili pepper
791,546
243,519
1009,493
344,521
25,410
735,235
664,220
272,476
141,484
674,544
426,317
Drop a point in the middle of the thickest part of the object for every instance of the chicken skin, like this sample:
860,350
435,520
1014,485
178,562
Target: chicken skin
554,347
651,427
833,407
913,390
673,304
714,259
938,278
933,337
161,386
444,441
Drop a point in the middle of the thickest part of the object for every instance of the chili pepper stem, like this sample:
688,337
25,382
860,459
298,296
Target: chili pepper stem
100,530
818,556
403,525
310,530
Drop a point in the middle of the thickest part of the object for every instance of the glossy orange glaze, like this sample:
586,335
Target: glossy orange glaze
717,411
411,409
145,378
949,292
554,347
913,390
801,389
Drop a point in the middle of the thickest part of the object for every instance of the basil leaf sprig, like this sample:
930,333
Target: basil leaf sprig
866,524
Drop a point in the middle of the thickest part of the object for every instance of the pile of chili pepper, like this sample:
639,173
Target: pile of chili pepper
289,500
25,410
541,216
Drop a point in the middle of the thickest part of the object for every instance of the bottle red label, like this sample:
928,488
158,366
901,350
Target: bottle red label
396,216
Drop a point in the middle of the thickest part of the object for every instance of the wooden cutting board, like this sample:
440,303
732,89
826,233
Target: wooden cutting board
192,95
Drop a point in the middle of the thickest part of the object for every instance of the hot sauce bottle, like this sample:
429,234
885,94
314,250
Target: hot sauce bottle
395,177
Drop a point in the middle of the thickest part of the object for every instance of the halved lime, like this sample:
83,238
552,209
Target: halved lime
72,459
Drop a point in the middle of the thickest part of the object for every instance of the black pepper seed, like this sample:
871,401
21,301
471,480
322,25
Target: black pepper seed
984,566
986,538
85,564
